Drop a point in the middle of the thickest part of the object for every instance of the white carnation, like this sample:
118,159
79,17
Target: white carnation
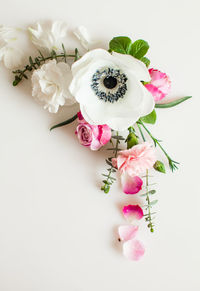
50,85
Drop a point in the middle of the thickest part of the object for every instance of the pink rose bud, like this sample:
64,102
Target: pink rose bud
92,136
160,84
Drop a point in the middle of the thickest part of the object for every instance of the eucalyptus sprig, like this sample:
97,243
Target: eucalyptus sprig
109,178
41,59
149,215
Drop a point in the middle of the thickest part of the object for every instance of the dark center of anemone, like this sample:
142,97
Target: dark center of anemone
110,82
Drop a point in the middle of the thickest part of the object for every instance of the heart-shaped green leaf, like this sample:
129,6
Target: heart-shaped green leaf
139,48
120,44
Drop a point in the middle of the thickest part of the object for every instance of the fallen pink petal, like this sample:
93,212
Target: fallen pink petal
133,213
133,249
131,185
127,232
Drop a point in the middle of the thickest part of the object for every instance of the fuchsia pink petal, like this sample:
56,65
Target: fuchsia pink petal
160,84
132,212
131,185
127,232
133,249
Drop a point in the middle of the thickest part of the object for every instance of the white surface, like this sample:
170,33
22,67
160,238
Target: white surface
57,230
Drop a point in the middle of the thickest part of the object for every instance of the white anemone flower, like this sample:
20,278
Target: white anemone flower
84,37
50,85
48,35
109,89
10,52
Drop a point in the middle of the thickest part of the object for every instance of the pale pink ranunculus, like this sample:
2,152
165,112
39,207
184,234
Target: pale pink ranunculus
159,85
92,136
133,162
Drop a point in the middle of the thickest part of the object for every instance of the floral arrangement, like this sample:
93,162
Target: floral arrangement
118,97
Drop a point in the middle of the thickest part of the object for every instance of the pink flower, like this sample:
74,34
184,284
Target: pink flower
132,213
160,84
132,163
92,136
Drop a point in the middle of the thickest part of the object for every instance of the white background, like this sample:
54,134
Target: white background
57,229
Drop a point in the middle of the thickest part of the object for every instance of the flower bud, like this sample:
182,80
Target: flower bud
159,166
131,140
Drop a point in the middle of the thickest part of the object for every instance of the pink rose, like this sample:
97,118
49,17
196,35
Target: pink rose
160,84
92,136
132,163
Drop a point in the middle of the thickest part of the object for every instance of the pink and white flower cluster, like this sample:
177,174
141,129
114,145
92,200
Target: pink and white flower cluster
132,163
92,136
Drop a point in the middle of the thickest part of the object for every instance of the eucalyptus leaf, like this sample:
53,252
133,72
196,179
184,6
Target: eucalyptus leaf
173,103
150,118
153,202
139,48
120,44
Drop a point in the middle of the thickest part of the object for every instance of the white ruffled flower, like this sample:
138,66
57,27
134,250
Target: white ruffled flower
10,52
48,35
109,89
83,36
50,85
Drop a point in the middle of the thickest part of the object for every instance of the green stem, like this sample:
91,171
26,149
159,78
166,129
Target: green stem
172,163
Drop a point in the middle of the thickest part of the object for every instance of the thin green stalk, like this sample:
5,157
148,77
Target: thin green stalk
172,163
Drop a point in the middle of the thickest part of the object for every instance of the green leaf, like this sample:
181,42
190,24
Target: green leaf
139,48
68,121
120,44
153,202
146,61
173,103
150,118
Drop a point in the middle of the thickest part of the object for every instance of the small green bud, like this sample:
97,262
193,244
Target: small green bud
159,166
105,188
131,140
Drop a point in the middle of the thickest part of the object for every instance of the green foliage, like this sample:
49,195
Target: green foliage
124,45
139,49
172,163
150,118
68,121
146,61
38,61
120,44
109,178
173,103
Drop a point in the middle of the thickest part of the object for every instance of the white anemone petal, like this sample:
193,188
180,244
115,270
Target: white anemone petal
134,65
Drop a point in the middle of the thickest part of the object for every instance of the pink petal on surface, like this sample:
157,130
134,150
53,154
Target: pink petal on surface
133,249
127,232
132,212
131,185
